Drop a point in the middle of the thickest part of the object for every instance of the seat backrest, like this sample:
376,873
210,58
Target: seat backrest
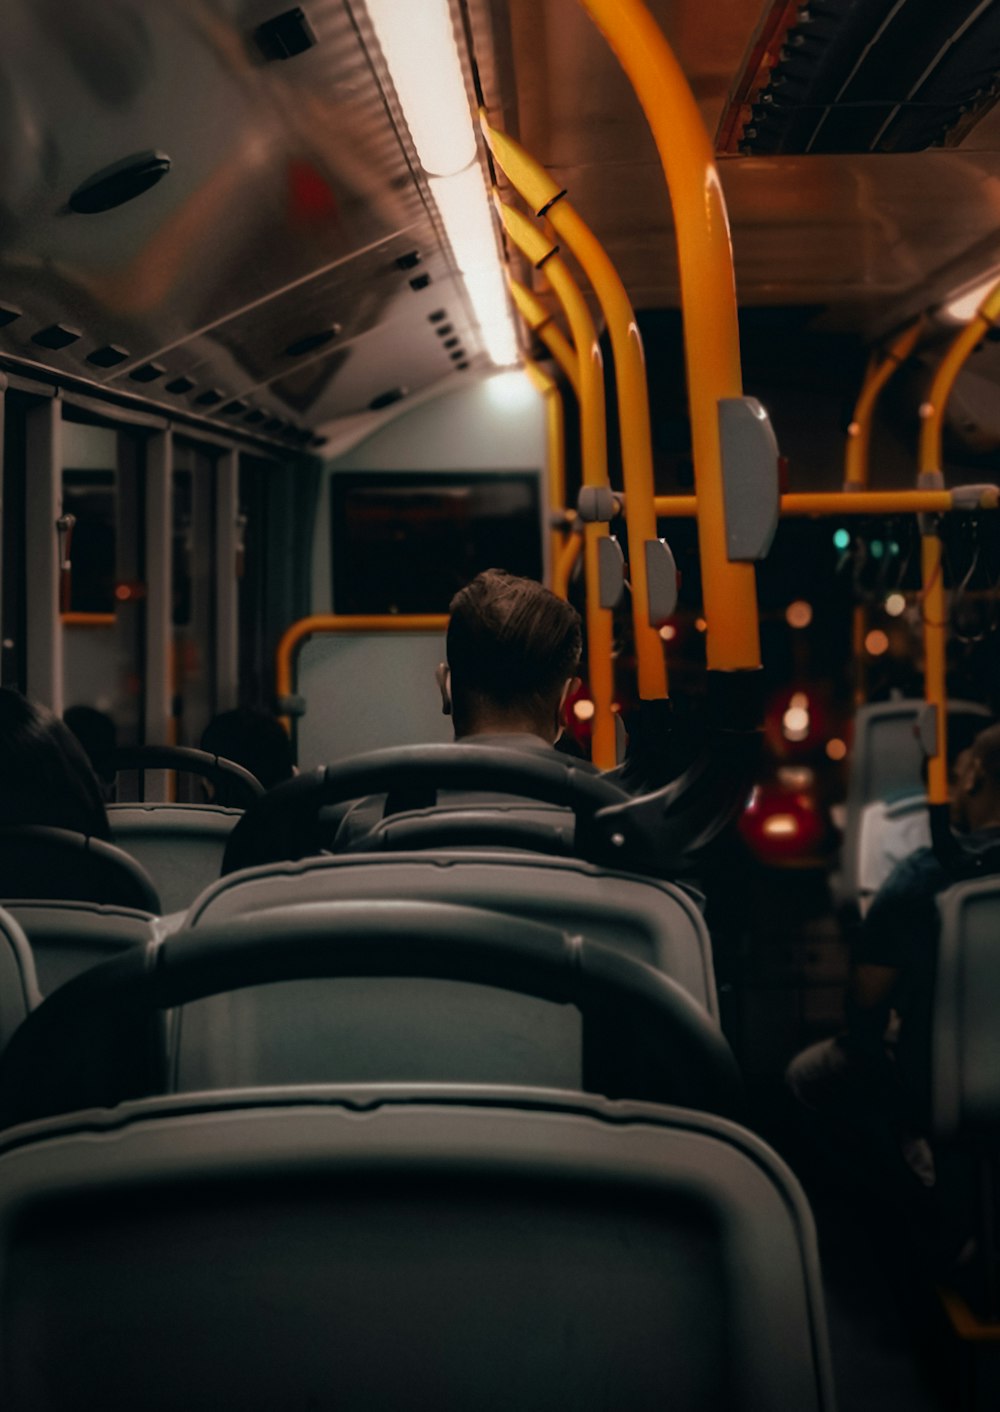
658,922
419,984
41,862
180,845
434,1250
965,1033
19,992
69,937
886,759
890,830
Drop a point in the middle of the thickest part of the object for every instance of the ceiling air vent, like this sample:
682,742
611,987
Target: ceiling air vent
148,372
121,182
311,341
56,336
109,356
8,314
386,399
209,398
180,385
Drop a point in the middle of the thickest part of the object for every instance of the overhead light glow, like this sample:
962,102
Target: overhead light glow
836,749
511,391
780,826
426,71
468,222
966,303
583,710
668,632
799,614
895,605
422,58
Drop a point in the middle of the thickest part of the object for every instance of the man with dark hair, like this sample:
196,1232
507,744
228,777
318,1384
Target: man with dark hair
513,651
852,1081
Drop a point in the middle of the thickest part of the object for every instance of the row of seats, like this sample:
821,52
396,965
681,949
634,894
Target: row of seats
441,1129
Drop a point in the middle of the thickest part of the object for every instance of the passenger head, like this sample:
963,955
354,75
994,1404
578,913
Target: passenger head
975,800
254,740
513,651
95,730
45,776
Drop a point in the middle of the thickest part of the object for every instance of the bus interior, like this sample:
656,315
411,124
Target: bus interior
308,316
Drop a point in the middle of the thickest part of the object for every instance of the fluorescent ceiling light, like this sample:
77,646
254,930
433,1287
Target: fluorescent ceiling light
467,218
418,44
964,305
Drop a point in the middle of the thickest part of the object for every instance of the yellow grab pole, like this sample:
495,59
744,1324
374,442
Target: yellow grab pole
530,240
799,504
546,198
541,322
555,470
708,293
856,459
294,635
880,370
568,555
931,477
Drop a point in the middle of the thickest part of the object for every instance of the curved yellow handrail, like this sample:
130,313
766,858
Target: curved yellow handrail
541,322
545,197
294,635
930,476
530,240
708,293
880,370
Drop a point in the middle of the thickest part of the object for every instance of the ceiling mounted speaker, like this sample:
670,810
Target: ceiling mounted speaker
121,182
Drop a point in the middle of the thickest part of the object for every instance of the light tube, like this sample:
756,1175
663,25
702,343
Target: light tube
467,218
418,44
963,306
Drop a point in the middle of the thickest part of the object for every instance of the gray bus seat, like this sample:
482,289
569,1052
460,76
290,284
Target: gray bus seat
19,992
37,861
69,937
436,1249
658,922
886,758
180,845
889,831
965,1042
428,993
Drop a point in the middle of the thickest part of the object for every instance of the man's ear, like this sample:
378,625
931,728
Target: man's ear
573,684
442,676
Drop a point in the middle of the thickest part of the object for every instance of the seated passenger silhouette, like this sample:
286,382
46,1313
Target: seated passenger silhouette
254,740
863,1114
95,730
513,650
45,776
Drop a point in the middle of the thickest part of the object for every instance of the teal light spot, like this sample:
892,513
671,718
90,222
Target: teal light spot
841,538
877,548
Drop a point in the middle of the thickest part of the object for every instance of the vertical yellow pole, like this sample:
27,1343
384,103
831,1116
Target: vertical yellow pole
555,455
541,253
545,197
856,461
708,292
932,478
